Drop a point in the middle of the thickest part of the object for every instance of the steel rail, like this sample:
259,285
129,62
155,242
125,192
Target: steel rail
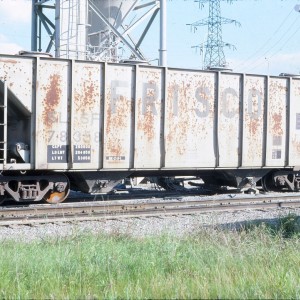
88,211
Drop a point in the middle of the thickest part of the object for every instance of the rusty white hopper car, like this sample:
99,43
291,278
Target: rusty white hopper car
82,125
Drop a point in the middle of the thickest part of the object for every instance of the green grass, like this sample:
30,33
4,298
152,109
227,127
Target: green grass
259,261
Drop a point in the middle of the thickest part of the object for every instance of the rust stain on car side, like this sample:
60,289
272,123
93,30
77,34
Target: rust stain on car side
52,99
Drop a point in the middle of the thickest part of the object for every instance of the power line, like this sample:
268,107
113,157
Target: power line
281,46
246,62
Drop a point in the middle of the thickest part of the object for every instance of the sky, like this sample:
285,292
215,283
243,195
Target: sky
267,42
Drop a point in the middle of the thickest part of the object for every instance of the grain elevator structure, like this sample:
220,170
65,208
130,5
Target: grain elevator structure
98,30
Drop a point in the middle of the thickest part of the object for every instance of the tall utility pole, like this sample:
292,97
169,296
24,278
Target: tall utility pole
163,34
214,54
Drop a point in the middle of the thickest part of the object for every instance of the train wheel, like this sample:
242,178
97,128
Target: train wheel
59,192
55,197
267,183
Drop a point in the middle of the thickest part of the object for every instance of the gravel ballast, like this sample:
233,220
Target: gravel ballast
141,227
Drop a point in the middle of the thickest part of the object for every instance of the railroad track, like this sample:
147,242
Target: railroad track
97,210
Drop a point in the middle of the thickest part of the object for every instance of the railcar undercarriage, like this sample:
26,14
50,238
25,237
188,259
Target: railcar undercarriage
281,181
54,187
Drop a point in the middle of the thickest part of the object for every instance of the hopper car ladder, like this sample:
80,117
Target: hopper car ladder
3,126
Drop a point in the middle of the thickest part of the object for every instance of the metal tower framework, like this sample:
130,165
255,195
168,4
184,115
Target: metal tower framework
214,54
46,30
122,35
40,22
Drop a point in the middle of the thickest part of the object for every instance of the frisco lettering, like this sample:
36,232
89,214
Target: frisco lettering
202,94
203,97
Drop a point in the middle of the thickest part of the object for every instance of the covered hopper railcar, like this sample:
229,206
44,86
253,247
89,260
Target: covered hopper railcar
67,124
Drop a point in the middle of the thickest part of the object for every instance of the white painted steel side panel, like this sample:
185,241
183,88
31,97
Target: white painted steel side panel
229,120
294,140
148,116
189,120
144,130
276,131
52,114
253,123
18,73
118,117
86,116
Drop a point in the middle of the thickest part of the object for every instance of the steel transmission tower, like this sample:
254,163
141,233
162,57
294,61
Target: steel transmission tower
214,54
